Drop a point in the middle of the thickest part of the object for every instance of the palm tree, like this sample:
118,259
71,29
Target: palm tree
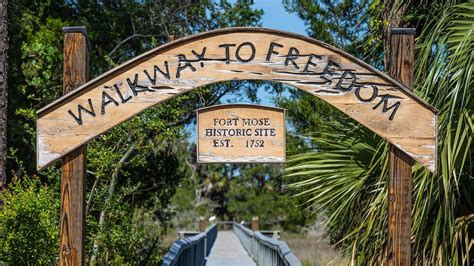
345,176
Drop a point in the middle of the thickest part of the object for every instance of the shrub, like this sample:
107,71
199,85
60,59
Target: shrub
29,223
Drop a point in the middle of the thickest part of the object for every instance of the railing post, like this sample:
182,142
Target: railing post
202,228
265,250
255,224
202,224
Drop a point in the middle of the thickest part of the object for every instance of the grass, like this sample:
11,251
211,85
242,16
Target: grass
313,249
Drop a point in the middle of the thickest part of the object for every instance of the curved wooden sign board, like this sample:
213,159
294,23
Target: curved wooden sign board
363,93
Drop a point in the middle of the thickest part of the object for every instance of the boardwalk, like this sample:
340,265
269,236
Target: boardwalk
228,251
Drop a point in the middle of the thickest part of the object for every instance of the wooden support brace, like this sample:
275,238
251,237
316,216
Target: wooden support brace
74,164
400,68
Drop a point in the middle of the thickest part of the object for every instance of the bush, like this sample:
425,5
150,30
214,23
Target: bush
29,223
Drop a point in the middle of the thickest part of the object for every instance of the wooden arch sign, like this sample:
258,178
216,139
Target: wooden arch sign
372,98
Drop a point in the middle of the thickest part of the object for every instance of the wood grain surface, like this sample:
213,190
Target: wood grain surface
363,93
241,133
401,68
73,170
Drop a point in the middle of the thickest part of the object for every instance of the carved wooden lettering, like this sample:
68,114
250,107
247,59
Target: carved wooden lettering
360,91
241,133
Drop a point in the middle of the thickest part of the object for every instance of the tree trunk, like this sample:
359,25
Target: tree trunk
3,89
113,182
392,14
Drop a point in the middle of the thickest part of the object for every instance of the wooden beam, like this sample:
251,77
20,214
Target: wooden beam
74,163
400,68
370,97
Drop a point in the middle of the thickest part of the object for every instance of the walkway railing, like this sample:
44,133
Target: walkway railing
265,250
191,251
211,235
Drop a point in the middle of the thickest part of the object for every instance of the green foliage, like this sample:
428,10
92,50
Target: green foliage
346,173
40,55
275,209
348,25
235,192
35,80
131,236
187,206
445,59
35,56
29,223
132,169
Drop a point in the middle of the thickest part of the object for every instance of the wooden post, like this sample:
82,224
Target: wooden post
202,224
74,164
400,68
255,224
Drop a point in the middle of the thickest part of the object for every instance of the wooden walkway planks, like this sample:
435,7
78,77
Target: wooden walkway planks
227,250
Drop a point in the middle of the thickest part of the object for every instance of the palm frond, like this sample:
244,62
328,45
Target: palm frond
345,175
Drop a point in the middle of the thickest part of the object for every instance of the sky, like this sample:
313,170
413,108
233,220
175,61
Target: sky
275,17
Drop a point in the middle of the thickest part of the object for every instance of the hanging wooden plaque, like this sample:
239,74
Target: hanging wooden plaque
241,133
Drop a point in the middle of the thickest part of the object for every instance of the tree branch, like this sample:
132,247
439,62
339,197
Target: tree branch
135,35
